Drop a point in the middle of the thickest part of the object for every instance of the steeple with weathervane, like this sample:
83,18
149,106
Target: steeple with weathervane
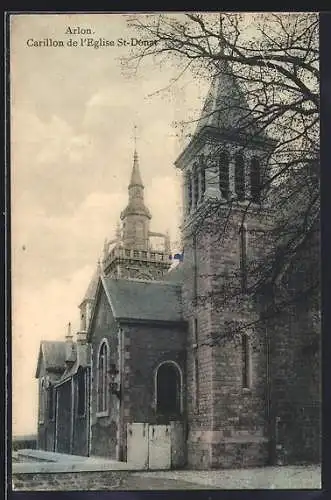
136,216
135,252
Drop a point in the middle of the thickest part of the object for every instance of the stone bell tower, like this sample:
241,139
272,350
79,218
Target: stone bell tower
132,253
224,168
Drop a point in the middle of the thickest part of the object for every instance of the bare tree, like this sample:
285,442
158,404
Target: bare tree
275,59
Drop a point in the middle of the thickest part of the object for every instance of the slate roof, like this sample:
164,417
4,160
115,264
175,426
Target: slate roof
225,103
144,300
54,355
226,111
92,287
80,357
175,273
135,174
136,205
226,108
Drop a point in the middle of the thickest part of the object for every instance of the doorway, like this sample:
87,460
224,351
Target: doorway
168,391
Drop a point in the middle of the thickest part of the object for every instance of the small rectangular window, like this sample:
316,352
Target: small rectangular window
243,256
195,364
245,361
203,180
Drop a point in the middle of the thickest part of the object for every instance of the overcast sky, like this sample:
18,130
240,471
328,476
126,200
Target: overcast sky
72,117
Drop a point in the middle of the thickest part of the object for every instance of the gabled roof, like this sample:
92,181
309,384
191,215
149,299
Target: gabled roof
143,300
54,355
226,113
80,358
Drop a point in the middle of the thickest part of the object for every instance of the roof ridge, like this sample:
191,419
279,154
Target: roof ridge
141,280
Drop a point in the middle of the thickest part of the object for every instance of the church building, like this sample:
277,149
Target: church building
185,348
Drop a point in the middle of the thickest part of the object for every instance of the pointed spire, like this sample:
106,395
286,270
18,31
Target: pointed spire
135,231
167,245
135,175
221,41
70,347
69,335
225,105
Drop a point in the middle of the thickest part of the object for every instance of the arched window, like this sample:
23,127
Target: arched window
239,176
102,378
168,390
81,392
246,361
224,174
255,180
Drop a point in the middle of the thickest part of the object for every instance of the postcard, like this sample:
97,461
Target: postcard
165,250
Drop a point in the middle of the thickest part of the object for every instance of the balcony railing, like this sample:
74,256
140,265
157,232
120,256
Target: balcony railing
134,254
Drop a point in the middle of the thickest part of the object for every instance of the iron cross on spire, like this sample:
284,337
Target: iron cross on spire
135,128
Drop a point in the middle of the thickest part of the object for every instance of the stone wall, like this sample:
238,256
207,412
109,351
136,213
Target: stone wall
224,406
104,428
145,347
295,388
59,481
64,424
81,422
